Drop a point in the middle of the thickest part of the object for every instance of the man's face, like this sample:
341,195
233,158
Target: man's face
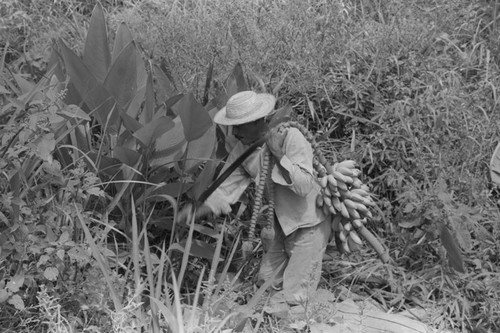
250,132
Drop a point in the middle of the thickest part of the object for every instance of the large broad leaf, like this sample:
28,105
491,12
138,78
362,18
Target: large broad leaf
169,144
107,165
195,118
135,104
96,53
153,130
97,98
122,39
200,150
166,89
121,81
130,123
149,101
454,253
235,82
281,115
127,156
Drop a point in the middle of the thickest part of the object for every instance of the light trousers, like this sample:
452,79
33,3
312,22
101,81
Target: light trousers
302,254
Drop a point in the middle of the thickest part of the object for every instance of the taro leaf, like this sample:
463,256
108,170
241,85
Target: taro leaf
281,115
96,53
122,39
234,83
135,104
149,101
194,117
454,253
168,144
200,149
127,156
121,80
91,91
165,81
107,165
148,134
130,123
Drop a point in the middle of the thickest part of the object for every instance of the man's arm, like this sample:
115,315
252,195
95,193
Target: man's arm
294,160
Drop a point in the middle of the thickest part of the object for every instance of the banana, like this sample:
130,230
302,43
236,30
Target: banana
336,203
327,201
332,210
323,181
345,171
350,204
365,187
356,197
360,192
368,214
356,182
350,164
354,236
327,192
343,236
345,247
357,223
332,183
342,178
341,185
368,201
344,211
348,227
361,208
353,246
353,213
356,172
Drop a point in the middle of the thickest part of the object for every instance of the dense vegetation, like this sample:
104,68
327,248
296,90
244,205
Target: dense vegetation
106,133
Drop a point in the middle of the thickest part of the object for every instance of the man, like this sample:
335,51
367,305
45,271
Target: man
301,229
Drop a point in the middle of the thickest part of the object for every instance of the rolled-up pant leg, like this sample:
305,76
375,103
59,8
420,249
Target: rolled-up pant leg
303,253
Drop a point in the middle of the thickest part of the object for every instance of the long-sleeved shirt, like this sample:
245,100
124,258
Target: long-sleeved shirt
295,202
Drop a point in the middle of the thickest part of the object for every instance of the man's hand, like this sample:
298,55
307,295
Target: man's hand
275,140
185,215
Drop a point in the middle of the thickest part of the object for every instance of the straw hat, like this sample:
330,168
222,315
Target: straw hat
245,107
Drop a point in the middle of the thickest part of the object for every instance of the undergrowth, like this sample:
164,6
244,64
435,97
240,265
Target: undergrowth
409,90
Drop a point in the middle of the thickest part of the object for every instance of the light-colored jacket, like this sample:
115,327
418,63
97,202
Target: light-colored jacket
295,202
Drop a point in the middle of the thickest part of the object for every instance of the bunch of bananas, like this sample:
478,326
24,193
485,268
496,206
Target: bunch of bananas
345,196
